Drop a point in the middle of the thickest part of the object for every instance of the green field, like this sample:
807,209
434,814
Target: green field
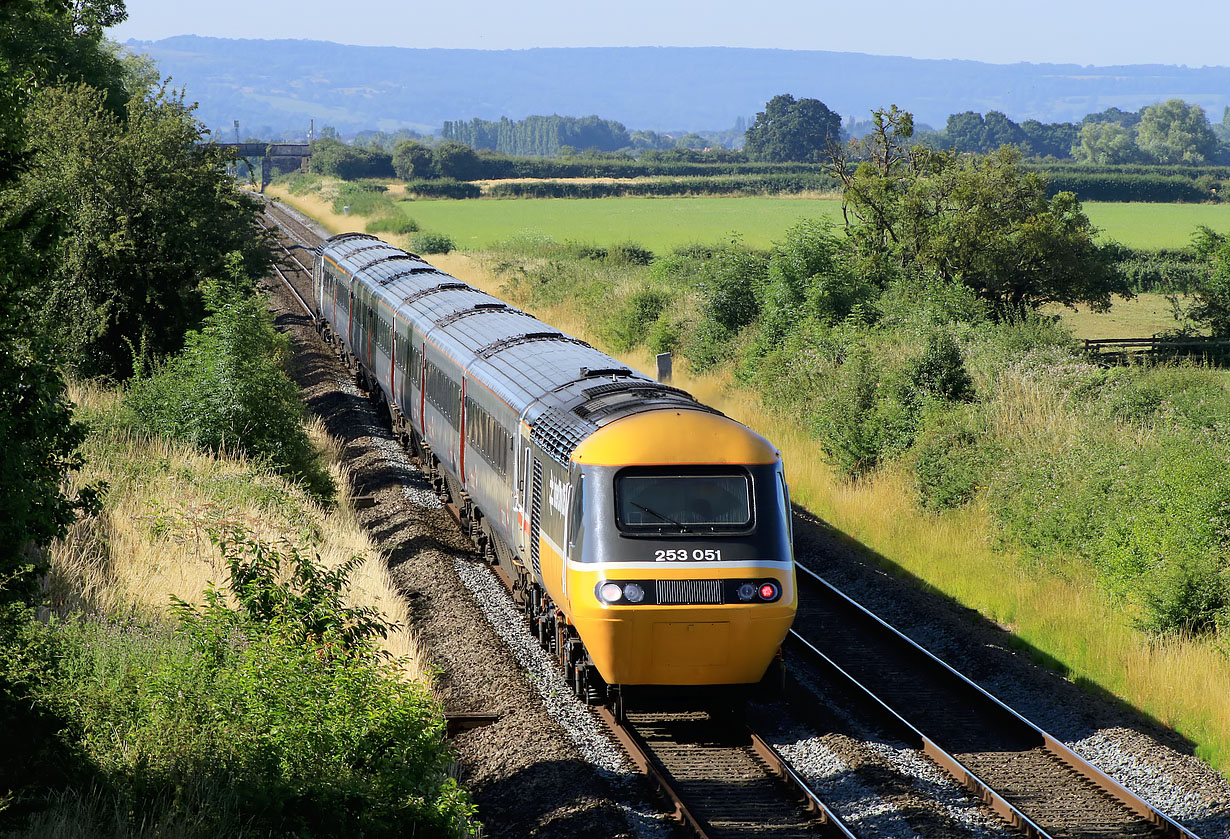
661,224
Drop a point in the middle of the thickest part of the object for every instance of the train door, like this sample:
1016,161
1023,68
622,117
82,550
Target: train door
536,520
523,506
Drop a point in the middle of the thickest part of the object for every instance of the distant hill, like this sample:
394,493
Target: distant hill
278,85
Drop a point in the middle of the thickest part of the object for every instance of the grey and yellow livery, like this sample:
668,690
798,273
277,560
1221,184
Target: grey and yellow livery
647,536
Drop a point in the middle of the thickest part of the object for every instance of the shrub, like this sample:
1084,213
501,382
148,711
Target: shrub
633,320
432,243
363,199
865,415
951,458
400,225
248,721
443,188
629,253
941,371
227,389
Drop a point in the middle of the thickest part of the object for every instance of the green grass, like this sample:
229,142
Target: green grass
661,224
1157,225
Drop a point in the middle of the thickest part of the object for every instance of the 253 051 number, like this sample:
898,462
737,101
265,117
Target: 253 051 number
685,555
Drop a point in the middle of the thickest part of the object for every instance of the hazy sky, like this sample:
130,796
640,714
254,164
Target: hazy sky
1074,31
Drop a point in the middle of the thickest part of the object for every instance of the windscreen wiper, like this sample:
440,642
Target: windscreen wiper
642,507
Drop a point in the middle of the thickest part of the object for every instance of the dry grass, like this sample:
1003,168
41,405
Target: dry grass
1142,316
152,540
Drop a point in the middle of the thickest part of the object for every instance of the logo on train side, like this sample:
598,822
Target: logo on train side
558,498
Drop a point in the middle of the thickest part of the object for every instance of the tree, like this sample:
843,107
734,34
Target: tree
412,160
980,220
38,437
457,161
1105,143
132,216
331,156
1212,295
790,130
1054,139
1176,132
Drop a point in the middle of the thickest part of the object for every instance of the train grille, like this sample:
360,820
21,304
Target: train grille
689,592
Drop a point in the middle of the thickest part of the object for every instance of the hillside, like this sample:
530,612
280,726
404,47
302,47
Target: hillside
281,84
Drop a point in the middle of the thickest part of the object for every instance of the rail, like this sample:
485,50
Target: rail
969,701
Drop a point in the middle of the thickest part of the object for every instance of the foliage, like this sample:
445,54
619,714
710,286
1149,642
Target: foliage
247,720
443,188
134,218
400,225
455,161
940,370
983,220
768,184
412,160
540,136
790,129
227,389
1212,292
291,593
363,198
331,156
432,243
1141,186
1175,132
1106,143
865,414
634,319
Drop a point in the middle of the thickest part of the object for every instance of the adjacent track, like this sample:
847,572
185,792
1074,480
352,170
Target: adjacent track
1029,777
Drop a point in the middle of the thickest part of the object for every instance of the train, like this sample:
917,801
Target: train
646,536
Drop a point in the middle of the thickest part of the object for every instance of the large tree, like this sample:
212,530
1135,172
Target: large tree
1176,132
133,214
792,130
1104,143
980,220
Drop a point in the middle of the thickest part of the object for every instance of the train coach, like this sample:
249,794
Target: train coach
647,536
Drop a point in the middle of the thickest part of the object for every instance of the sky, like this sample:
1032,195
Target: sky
1045,31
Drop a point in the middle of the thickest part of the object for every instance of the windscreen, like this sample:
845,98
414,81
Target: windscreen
687,503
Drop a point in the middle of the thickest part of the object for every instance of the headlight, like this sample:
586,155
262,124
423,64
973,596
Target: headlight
610,592
746,592
634,592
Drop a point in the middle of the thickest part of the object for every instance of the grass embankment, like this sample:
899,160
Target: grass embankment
1055,605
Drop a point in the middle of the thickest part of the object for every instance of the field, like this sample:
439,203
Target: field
661,224
1143,315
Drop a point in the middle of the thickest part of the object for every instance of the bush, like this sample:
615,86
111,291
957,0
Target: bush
632,321
629,253
951,458
432,243
443,188
228,390
363,199
400,225
941,371
865,415
259,720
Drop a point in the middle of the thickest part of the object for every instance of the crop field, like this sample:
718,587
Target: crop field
662,224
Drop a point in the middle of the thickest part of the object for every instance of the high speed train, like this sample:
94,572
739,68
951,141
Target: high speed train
647,536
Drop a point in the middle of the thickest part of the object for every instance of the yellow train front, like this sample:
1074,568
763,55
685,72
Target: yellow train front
677,569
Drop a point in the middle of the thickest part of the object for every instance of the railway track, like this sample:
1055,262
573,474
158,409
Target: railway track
725,784
721,779
1028,777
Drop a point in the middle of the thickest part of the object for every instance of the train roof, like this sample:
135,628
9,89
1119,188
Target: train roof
564,388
